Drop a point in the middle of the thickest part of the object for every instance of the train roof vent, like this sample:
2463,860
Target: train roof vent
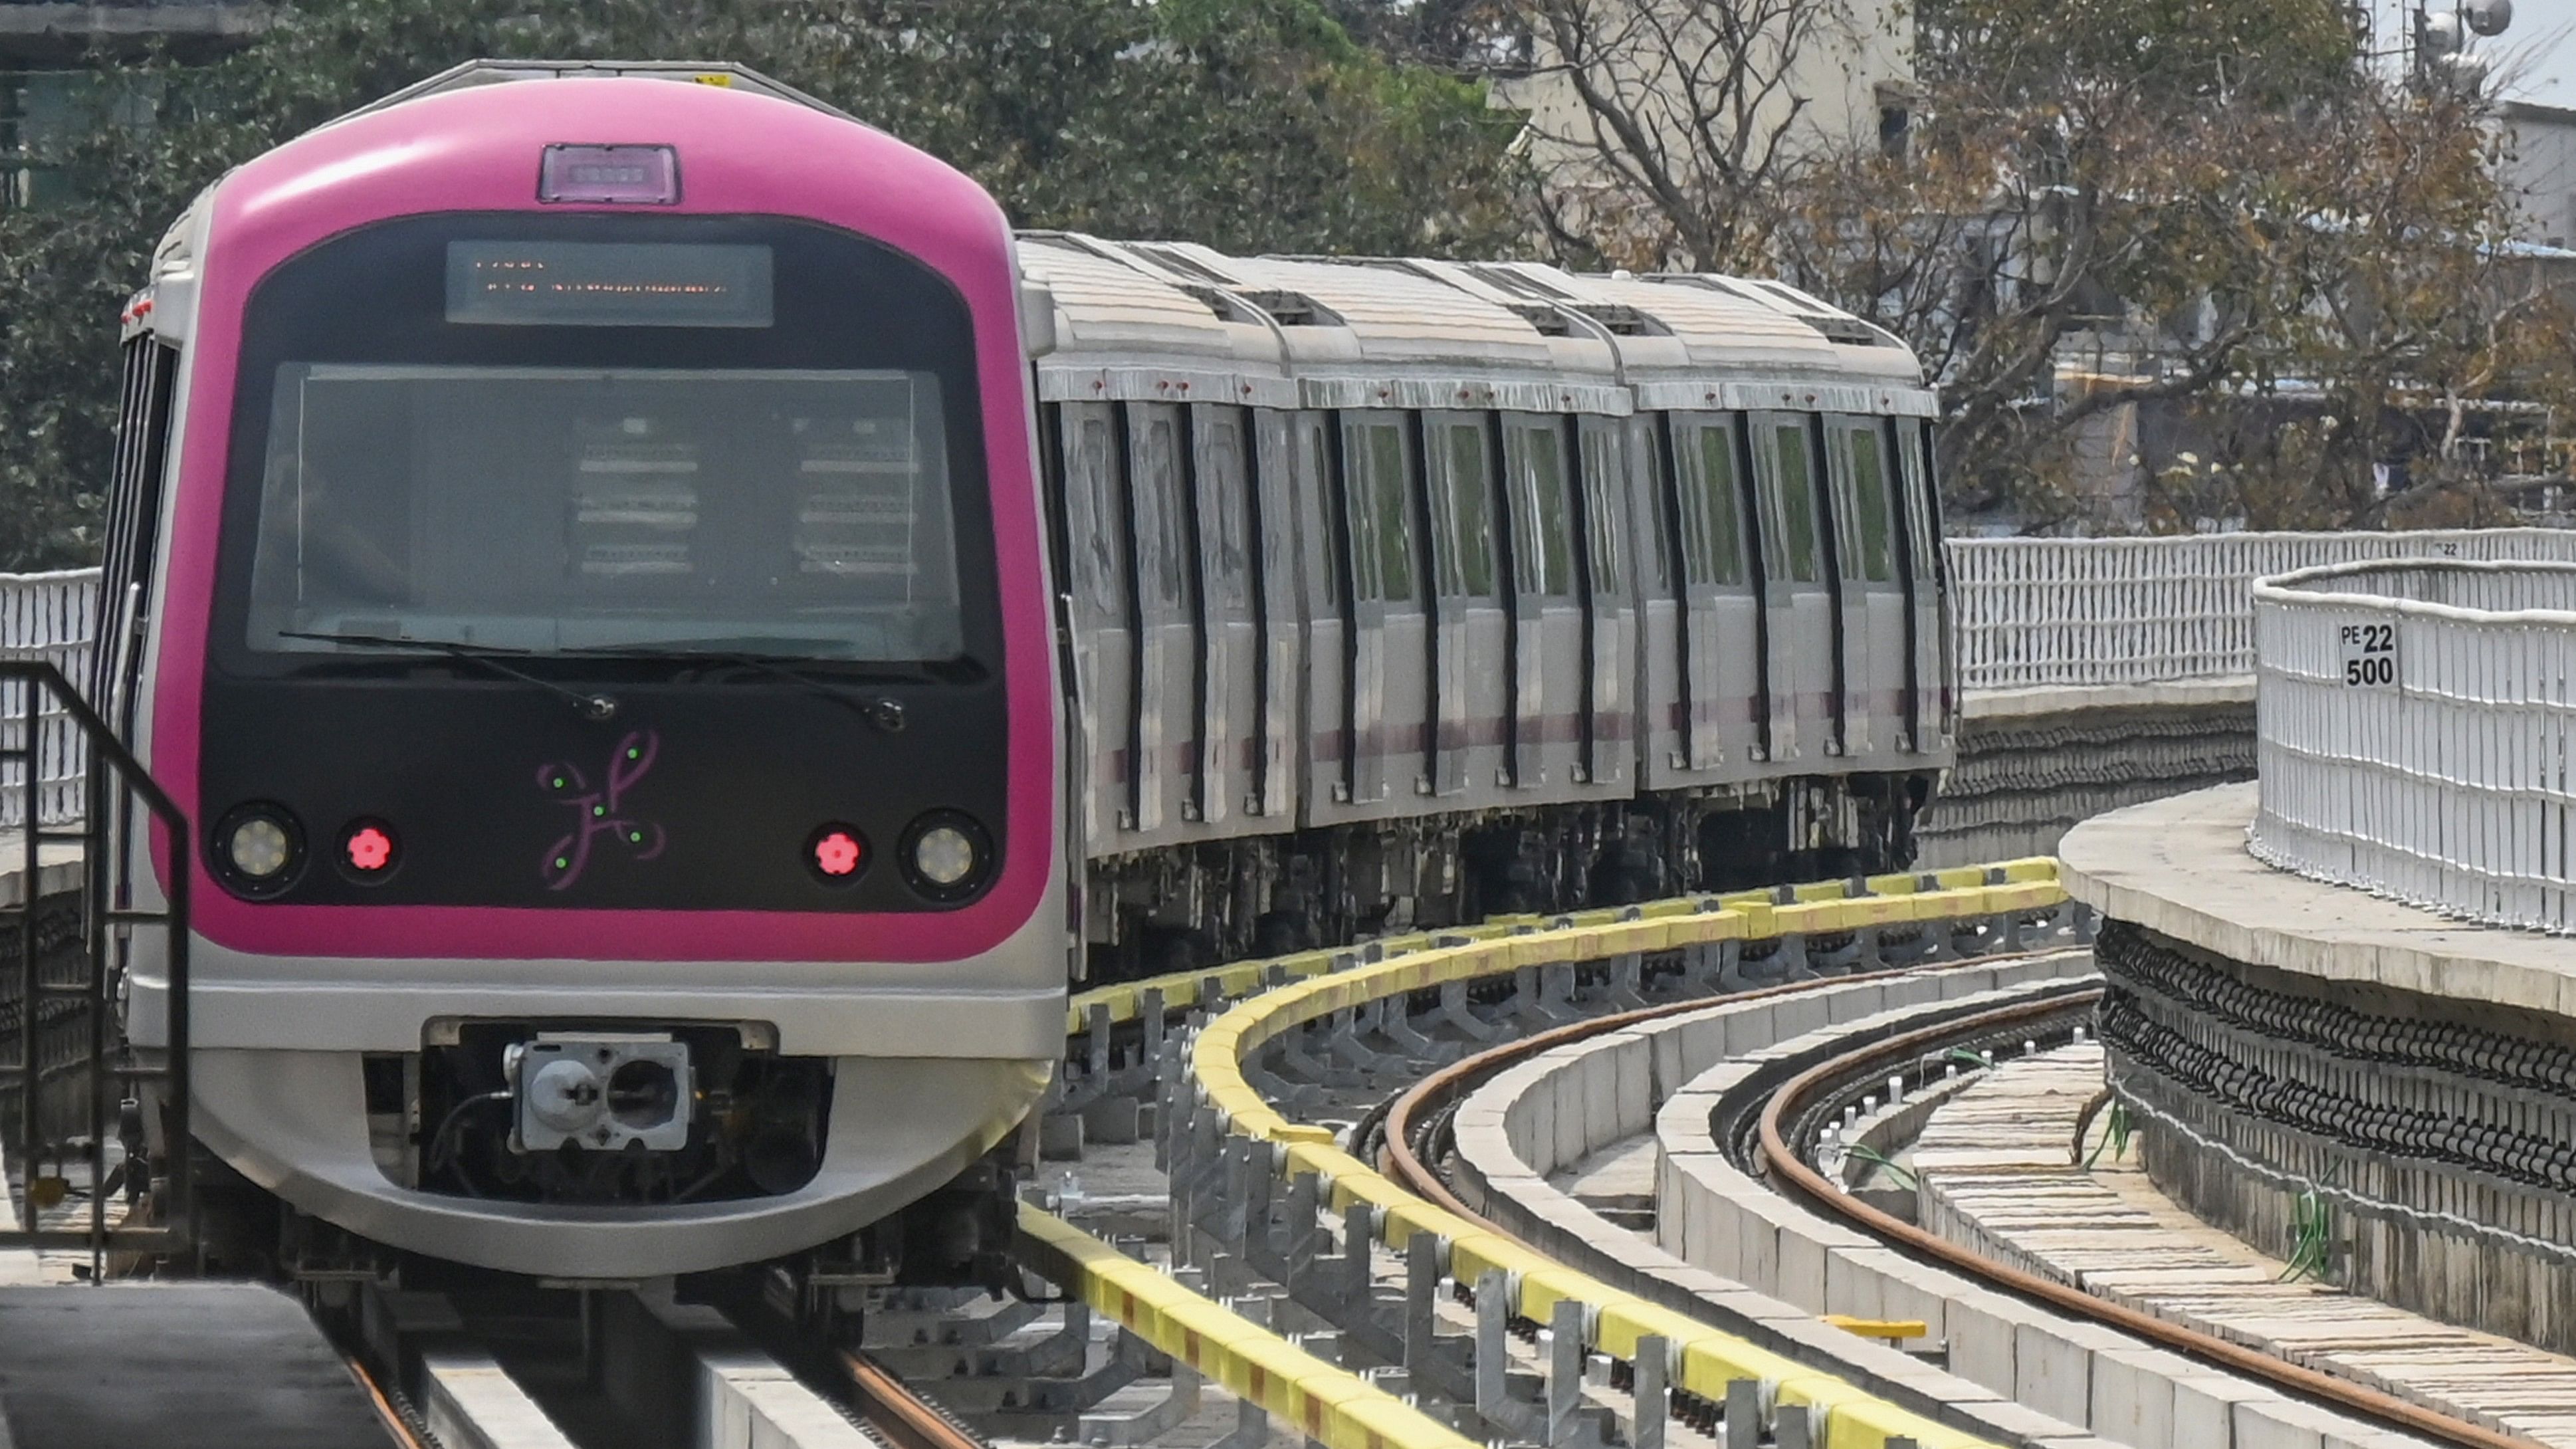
1550,321
724,74
1222,303
1291,309
1623,321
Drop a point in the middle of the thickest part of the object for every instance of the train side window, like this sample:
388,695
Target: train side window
1099,546
1654,555
1464,489
1534,460
151,370
1223,487
1922,509
1379,488
1868,548
1162,528
1793,493
1312,484
1603,495
1712,530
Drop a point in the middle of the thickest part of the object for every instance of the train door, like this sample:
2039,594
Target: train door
1547,650
1663,731
1724,710
1610,642
1468,604
1928,632
1798,590
1274,597
1230,664
1874,604
1165,610
1104,633
1390,649
1330,753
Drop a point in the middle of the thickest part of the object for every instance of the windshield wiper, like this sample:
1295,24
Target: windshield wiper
748,651
877,710
886,714
592,706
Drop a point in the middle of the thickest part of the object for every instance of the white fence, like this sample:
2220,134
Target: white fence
2415,731
50,617
2086,612
2032,613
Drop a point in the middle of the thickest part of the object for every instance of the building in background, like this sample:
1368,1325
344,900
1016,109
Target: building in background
2538,165
1718,94
50,87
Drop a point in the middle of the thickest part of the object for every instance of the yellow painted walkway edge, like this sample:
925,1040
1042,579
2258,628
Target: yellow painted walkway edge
1332,1406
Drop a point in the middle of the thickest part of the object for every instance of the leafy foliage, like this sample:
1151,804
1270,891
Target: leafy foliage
1247,124
2211,214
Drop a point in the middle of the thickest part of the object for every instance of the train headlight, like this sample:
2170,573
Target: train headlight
259,848
947,855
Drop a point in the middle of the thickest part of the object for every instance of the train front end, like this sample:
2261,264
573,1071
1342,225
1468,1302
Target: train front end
596,619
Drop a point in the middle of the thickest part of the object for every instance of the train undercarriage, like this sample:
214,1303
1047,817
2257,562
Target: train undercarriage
1179,909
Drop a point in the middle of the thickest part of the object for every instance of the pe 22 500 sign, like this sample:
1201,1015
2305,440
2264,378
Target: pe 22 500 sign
2369,654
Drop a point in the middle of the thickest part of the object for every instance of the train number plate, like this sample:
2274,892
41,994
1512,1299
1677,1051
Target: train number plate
2369,655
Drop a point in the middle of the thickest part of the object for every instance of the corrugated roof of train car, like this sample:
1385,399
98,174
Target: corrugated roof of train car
1109,306
1723,330
1406,319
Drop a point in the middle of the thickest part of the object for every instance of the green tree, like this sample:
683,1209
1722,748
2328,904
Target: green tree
2216,212
1253,125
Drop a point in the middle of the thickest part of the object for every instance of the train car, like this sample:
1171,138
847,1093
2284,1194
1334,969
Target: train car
576,555
679,633
1407,592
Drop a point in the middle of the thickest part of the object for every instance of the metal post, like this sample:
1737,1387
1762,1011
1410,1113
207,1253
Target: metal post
1421,1306
1564,1369
96,863
1743,1414
1303,1192
1653,1367
1493,1350
31,990
1359,1227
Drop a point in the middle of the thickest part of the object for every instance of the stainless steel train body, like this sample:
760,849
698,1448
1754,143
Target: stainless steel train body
1412,591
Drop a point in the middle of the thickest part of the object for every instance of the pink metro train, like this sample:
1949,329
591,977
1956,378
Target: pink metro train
674,646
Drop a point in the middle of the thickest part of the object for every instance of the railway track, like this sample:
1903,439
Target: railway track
448,1381
626,1371
1784,1130
1773,1125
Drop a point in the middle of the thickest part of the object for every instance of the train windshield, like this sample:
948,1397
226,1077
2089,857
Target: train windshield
800,513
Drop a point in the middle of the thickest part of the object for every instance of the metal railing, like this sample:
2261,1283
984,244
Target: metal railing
2415,734
2037,613
49,619
2033,613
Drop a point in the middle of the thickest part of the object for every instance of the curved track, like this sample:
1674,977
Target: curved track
1775,1141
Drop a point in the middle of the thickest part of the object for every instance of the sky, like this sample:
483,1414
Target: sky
2537,53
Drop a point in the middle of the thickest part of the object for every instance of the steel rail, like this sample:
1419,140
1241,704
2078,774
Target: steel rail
898,1413
1402,1159
1789,1167
398,1424
1399,1160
